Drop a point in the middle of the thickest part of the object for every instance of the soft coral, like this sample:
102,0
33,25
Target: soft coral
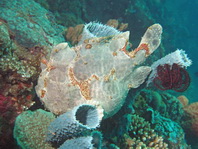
8,114
7,109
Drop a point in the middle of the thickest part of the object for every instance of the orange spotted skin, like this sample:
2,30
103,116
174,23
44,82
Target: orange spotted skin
43,93
83,85
48,65
132,54
143,46
98,71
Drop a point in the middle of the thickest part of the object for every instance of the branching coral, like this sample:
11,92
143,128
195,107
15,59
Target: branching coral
171,131
141,135
164,113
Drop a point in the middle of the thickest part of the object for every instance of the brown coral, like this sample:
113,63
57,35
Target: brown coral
116,24
192,111
184,100
141,135
31,127
73,34
190,122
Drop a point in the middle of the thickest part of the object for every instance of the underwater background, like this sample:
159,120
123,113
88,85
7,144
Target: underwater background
151,116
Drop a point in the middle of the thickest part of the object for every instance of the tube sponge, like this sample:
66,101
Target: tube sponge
74,123
84,142
78,143
30,129
95,29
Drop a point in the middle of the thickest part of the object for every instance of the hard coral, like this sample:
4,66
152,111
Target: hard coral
141,135
171,131
74,34
31,127
19,90
166,104
184,100
31,24
116,24
191,122
19,69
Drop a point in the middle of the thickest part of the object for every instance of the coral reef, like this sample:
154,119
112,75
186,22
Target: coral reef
141,135
190,123
138,133
67,13
165,113
79,83
19,68
99,71
171,131
31,127
166,104
184,100
31,23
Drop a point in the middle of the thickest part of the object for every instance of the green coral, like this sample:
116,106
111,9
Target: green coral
31,127
13,57
166,104
171,131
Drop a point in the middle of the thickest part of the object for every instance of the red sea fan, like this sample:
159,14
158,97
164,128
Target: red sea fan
172,77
